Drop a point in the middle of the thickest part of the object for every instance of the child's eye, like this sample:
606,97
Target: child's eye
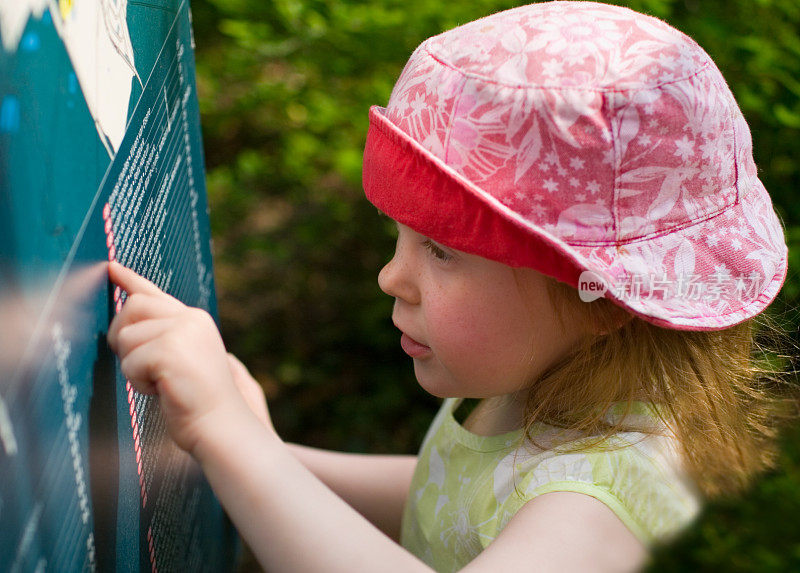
437,251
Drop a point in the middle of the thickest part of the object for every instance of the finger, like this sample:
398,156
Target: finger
131,336
240,374
131,282
140,307
140,367
143,306
236,366
250,389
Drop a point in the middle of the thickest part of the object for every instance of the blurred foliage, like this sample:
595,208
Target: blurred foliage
285,86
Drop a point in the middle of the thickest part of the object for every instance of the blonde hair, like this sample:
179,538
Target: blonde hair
721,393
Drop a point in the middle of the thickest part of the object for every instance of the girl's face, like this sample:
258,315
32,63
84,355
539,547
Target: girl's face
475,328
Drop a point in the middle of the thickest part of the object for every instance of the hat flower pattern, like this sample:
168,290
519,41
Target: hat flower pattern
616,138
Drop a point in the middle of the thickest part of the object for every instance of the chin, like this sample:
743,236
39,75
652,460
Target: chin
435,390
439,381
433,385
445,389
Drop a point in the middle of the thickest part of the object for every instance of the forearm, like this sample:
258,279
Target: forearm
289,518
375,485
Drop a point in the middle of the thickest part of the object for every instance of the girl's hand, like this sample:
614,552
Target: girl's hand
175,351
250,390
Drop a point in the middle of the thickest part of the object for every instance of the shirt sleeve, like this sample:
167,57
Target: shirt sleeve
641,482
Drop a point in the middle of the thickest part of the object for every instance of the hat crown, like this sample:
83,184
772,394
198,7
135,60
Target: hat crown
570,44
594,122
575,136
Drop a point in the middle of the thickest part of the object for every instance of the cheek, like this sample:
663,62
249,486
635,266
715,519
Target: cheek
475,331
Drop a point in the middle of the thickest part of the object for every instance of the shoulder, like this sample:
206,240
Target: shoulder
637,476
595,509
563,531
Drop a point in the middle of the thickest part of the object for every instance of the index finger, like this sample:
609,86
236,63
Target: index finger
130,282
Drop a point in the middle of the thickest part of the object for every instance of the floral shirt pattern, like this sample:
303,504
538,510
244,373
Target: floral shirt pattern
467,487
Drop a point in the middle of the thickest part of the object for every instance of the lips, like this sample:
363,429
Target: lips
413,348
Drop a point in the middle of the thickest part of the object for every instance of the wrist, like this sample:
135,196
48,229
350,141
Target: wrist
229,429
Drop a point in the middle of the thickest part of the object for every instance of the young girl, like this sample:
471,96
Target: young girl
582,245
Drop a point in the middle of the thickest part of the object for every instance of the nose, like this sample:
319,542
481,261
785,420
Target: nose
399,277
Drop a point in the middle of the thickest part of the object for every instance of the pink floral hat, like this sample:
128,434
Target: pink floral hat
595,144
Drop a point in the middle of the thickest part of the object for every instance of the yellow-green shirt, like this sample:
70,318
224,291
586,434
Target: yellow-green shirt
467,487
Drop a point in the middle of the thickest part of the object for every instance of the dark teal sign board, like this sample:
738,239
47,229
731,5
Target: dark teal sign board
100,158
